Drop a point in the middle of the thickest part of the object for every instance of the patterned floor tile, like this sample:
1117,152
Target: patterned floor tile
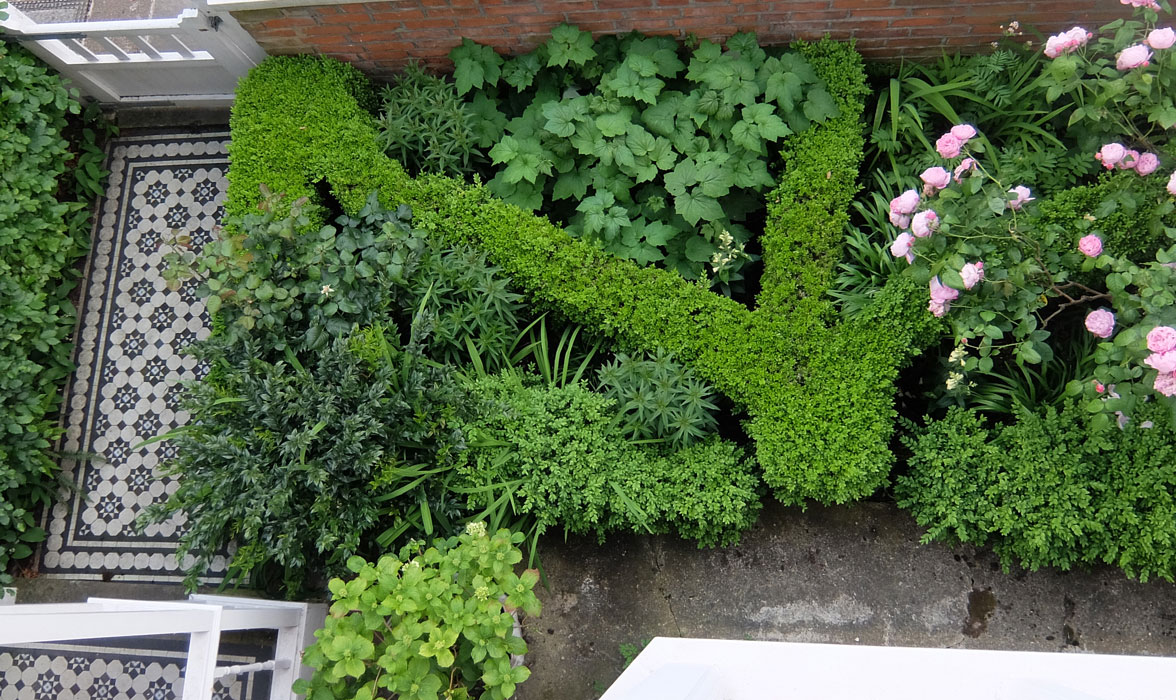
148,669
131,334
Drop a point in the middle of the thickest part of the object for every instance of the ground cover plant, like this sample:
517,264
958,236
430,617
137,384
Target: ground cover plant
43,231
1059,302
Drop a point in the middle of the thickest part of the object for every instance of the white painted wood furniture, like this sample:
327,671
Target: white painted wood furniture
195,58
707,669
202,617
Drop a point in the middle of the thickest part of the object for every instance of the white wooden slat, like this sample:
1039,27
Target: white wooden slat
112,48
145,46
76,46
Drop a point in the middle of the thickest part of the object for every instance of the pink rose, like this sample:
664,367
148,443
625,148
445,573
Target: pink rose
972,273
941,297
1165,383
966,166
901,247
1110,154
1147,164
1161,339
1172,185
1099,387
1149,4
1129,160
1161,38
1021,193
936,178
1133,57
924,223
1101,323
1090,246
963,132
948,146
1164,362
905,203
1066,42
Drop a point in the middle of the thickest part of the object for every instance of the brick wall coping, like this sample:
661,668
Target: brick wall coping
235,5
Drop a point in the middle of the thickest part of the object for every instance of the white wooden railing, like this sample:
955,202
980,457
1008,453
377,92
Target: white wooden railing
711,669
193,58
202,617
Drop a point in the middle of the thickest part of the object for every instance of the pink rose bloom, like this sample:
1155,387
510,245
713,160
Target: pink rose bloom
1165,384
1101,323
1161,339
924,223
1147,163
948,146
1022,196
966,166
963,132
905,203
901,247
972,273
1133,57
1149,4
941,297
1090,246
1164,362
1099,387
1110,154
1172,185
1129,160
1161,38
936,178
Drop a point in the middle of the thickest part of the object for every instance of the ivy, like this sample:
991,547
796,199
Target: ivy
626,121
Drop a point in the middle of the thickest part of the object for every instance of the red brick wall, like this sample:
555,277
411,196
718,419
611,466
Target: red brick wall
380,36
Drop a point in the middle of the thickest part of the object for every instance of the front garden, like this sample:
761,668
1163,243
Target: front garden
627,284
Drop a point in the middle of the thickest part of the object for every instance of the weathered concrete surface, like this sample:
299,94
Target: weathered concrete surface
849,575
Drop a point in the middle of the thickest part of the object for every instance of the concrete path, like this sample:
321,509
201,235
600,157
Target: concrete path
847,575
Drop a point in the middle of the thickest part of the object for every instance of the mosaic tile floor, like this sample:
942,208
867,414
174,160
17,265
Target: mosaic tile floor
126,388
103,671
130,337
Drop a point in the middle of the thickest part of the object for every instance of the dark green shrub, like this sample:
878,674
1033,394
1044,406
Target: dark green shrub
576,469
659,398
40,239
1048,490
301,465
425,125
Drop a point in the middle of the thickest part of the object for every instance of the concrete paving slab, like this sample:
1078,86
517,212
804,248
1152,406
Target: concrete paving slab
849,575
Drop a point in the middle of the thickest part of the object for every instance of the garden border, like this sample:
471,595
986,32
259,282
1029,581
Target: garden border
819,393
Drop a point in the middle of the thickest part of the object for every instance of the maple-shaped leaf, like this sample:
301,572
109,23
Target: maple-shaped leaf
569,45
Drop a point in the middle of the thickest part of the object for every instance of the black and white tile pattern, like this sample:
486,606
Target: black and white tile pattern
131,333
98,670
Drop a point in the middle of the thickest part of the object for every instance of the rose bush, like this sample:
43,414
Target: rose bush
1007,280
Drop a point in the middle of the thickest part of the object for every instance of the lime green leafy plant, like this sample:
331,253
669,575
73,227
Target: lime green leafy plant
819,394
427,623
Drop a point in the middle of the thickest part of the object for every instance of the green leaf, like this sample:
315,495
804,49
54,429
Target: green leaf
695,206
475,66
684,175
520,71
613,124
819,105
698,249
569,45
563,116
505,150
571,185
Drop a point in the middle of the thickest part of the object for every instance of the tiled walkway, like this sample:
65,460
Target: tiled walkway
132,331
129,342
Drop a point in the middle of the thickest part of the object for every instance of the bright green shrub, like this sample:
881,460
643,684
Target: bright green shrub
662,151
819,396
40,238
1048,490
578,470
426,623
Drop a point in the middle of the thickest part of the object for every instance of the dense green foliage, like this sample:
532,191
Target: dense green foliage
426,623
1047,490
567,447
425,126
662,151
819,394
40,239
300,464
